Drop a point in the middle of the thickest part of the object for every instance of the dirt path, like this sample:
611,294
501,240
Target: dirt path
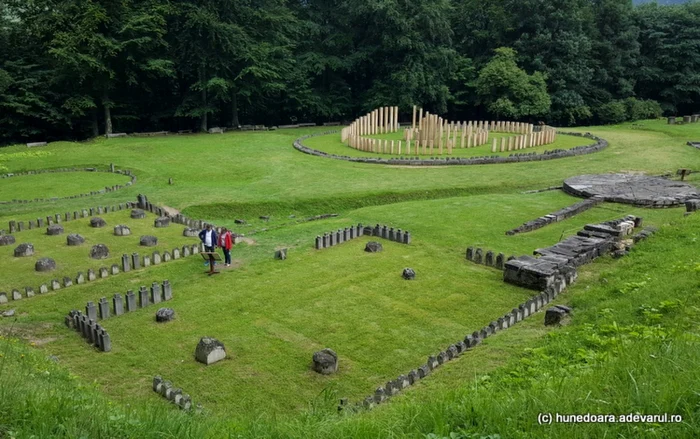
170,210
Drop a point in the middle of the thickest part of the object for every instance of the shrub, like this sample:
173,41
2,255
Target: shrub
612,112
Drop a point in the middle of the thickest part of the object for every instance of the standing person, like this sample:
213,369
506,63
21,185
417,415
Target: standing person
226,242
209,239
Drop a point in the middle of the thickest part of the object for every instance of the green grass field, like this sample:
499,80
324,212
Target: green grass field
632,345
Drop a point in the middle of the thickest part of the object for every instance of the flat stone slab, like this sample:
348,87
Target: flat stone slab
640,190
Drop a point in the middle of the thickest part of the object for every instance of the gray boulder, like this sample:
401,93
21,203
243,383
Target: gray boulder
74,239
149,241
190,233
209,350
373,247
165,314
163,221
99,251
7,240
97,222
24,250
325,362
9,313
138,214
45,264
54,229
556,315
408,274
122,230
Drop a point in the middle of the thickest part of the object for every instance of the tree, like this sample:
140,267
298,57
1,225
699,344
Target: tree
554,37
508,91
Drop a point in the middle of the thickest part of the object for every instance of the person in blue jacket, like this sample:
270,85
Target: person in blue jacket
209,239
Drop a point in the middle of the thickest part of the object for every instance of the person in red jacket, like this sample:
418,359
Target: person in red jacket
226,242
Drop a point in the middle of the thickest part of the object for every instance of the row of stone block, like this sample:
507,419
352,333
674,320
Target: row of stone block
90,330
136,261
488,258
128,263
19,226
130,302
166,389
86,194
686,119
457,349
557,216
331,239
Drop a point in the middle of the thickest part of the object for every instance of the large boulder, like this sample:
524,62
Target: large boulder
209,351
97,222
149,241
122,230
24,250
325,362
163,221
408,274
138,214
74,239
99,251
165,314
45,264
54,229
7,240
373,247
190,233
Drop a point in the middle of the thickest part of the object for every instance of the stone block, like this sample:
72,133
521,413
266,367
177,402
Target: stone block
99,251
104,308
43,289
143,297
209,350
281,254
167,257
80,278
118,304
500,261
130,301
91,276
135,261
156,293
126,263
115,269
167,290
489,259
155,258
55,285
67,282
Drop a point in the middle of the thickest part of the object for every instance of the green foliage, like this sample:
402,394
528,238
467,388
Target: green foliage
612,112
508,91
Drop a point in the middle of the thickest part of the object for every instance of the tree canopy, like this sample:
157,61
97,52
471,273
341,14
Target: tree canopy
80,68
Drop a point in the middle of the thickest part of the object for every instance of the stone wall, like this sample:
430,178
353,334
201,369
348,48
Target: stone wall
111,169
488,257
559,215
58,218
332,239
448,161
86,324
166,389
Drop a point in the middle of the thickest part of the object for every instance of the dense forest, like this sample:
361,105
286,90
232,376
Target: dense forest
80,68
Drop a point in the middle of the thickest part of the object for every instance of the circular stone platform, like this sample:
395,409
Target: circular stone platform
640,190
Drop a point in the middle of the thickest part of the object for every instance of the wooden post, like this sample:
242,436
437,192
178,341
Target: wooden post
495,145
414,117
503,144
408,147
392,147
420,120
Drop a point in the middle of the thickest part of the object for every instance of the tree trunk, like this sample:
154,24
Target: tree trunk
108,114
95,127
234,109
204,122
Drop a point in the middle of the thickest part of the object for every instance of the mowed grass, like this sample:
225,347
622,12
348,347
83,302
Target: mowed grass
332,144
272,315
19,272
59,184
244,170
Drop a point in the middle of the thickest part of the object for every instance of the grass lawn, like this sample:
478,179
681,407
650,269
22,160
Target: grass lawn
331,144
60,184
272,315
